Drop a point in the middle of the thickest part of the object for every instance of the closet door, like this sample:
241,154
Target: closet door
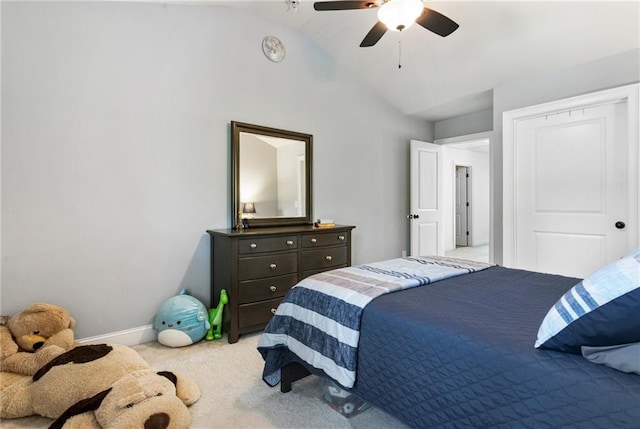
574,189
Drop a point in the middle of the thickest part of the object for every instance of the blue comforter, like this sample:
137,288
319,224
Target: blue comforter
319,319
460,353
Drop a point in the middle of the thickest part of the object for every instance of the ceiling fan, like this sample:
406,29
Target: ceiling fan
395,15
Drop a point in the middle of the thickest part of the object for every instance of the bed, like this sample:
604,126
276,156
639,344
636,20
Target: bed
458,351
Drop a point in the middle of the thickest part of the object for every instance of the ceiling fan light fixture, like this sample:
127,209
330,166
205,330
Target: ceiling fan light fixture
398,15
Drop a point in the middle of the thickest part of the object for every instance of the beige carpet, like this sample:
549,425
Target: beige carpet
234,395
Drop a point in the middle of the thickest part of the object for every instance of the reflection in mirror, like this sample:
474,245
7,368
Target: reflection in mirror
271,176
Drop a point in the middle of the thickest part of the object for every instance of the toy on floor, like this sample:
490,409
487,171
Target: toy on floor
343,401
181,321
34,336
215,317
102,386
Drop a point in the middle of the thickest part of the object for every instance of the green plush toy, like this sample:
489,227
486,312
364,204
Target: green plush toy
215,317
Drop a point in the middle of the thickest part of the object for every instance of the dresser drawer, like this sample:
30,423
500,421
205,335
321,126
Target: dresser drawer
247,246
328,257
257,313
324,239
257,267
269,288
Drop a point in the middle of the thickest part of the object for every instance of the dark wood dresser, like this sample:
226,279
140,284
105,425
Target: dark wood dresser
257,267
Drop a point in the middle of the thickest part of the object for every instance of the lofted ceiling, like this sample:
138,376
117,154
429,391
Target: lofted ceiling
497,42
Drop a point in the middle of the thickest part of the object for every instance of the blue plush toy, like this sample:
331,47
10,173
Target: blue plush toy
181,321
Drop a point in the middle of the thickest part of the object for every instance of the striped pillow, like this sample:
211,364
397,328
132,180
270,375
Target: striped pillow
601,310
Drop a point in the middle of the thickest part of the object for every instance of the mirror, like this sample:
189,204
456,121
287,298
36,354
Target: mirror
271,176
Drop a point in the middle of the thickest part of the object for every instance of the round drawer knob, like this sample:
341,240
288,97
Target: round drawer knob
290,242
273,311
328,257
273,288
341,237
273,266
313,240
253,245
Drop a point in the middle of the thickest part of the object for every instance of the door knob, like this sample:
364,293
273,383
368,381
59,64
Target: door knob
413,216
620,225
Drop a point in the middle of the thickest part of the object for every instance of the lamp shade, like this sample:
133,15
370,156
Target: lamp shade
400,14
248,208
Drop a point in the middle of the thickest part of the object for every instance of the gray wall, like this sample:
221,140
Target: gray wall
472,123
115,150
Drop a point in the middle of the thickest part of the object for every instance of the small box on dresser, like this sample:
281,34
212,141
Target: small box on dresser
258,266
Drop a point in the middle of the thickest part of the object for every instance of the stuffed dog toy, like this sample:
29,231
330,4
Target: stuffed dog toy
105,386
34,336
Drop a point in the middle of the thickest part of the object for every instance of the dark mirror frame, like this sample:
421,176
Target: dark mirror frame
241,127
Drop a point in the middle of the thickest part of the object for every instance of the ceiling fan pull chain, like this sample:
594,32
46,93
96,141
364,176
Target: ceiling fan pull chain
400,53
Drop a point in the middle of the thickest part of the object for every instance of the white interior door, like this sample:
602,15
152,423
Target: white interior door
426,216
571,173
461,218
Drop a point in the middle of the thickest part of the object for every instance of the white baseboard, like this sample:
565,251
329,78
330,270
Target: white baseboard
127,337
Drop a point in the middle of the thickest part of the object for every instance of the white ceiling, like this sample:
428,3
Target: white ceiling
497,42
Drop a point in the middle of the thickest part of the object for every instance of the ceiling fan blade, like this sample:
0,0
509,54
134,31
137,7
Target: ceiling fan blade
344,5
436,22
375,34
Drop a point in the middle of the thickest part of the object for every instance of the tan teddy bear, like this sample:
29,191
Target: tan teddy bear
34,336
102,386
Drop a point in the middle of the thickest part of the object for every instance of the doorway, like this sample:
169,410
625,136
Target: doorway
464,156
301,186
433,193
